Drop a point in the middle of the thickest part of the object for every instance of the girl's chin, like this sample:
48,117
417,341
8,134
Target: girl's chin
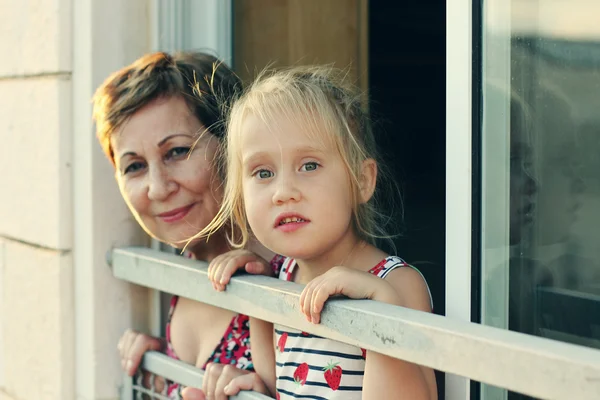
296,254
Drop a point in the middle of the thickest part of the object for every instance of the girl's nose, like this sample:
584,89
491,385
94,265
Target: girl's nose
286,190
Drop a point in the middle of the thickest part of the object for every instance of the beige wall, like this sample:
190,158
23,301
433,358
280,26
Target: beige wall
61,311
36,270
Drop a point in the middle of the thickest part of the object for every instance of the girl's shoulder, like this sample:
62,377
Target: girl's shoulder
408,281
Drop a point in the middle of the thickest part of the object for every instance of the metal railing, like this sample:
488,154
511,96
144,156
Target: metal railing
530,365
158,365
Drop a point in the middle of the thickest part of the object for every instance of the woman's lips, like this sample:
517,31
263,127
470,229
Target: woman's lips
176,214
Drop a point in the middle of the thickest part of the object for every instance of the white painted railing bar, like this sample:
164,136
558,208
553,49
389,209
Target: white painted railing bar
535,366
177,371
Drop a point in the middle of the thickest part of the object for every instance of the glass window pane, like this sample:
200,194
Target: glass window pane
541,170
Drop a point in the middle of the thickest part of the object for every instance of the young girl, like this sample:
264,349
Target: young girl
302,172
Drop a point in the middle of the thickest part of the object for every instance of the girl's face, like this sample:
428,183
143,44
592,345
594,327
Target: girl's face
171,192
297,192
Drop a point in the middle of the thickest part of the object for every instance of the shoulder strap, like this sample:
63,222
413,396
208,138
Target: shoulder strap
391,263
287,268
387,265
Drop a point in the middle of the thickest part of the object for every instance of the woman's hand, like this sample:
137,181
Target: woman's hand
221,381
132,347
224,266
349,282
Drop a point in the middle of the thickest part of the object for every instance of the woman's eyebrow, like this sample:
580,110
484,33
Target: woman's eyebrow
167,138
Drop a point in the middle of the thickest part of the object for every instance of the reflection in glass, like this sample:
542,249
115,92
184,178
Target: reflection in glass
541,152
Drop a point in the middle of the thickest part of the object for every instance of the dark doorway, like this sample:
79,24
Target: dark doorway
407,88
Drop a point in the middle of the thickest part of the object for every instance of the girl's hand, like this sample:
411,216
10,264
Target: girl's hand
132,347
349,282
224,266
221,381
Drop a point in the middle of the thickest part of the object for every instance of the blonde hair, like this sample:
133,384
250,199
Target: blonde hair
322,101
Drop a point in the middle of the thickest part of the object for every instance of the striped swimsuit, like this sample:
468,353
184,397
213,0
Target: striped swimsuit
312,367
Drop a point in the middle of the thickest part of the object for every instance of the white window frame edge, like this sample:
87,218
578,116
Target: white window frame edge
204,25
459,28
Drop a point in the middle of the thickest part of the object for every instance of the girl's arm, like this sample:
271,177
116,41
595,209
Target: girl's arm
385,375
403,287
262,344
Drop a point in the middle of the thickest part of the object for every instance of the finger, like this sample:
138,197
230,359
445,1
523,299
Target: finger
309,289
190,393
211,376
320,296
134,355
233,265
213,267
217,277
206,377
302,298
127,340
159,383
244,382
121,349
228,374
141,344
121,343
258,268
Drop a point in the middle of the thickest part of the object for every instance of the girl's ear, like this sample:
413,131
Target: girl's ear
368,179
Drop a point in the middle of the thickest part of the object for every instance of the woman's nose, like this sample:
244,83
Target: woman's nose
160,184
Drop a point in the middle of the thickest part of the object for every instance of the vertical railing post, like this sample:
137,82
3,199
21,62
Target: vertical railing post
127,389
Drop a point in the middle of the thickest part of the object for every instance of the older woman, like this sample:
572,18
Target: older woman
159,121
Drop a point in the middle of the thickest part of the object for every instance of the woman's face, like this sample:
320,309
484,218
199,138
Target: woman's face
172,192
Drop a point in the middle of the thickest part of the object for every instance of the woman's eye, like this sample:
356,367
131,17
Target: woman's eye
310,166
263,174
133,167
178,152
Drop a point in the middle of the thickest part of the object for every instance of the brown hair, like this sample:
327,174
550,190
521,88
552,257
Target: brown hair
205,83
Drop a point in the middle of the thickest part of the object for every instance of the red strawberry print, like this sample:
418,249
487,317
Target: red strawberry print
282,341
277,397
364,353
304,333
333,375
301,373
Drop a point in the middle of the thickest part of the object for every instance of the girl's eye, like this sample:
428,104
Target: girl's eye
178,152
133,167
309,166
263,174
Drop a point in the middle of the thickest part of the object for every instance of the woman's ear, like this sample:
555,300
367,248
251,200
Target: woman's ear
368,179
